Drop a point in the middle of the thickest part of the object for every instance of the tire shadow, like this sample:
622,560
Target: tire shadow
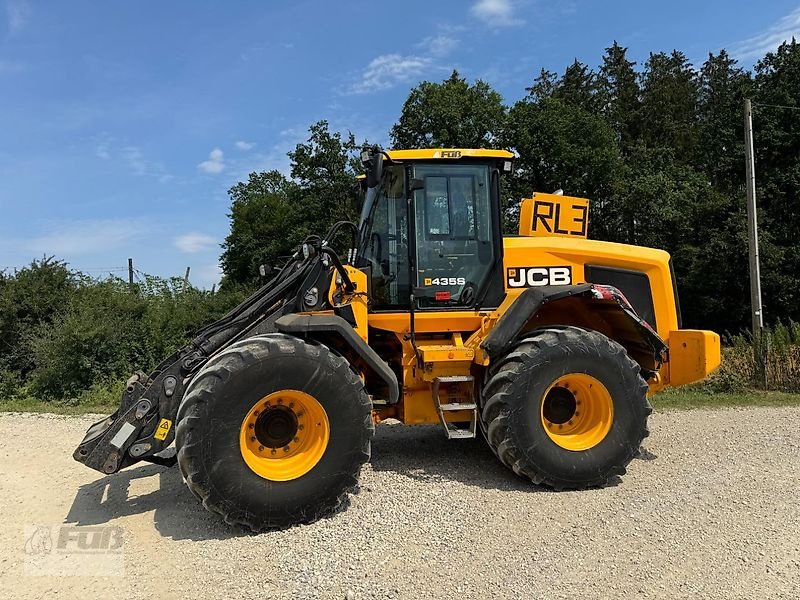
423,453
177,514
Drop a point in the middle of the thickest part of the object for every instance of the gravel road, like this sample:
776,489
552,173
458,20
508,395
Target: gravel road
711,510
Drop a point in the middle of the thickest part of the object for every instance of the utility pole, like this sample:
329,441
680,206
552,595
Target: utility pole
186,279
130,274
752,237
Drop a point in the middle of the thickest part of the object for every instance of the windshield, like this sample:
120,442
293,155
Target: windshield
383,243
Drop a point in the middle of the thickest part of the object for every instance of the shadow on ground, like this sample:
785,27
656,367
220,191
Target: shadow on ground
421,453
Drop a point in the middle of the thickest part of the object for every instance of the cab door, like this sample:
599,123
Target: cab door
456,235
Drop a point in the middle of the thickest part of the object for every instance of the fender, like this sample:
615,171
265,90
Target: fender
338,334
615,318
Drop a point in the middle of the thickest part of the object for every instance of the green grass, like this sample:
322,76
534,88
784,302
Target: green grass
687,398
680,399
32,405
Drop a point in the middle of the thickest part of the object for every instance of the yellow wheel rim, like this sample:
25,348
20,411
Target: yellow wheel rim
284,435
577,411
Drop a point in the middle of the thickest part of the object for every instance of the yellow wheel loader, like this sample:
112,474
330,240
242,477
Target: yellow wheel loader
547,344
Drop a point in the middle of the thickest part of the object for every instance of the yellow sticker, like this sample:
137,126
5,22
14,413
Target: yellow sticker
428,281
163,429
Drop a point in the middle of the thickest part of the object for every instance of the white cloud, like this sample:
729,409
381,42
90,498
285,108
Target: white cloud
438,45
496,13
72,238
241,145
215,163
758,45
389,70
138,163
18,13
191,243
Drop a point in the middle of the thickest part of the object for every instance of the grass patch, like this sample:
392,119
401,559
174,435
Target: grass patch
31,405
681,399
99,398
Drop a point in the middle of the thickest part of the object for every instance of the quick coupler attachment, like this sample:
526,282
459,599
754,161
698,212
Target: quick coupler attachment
123,438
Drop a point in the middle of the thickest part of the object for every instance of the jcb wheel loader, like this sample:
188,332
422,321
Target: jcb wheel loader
548,343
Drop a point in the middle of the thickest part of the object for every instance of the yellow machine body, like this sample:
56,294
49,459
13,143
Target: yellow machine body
551,249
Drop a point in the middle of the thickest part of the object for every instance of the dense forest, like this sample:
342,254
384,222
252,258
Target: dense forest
657,147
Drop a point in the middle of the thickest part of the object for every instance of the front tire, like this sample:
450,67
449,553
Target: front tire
273,431
567,408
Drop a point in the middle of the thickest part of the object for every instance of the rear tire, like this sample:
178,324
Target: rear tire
218,407
532,402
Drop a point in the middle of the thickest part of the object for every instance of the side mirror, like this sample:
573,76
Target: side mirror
372,160
415,184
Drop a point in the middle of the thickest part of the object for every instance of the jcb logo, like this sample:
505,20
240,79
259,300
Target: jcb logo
520,277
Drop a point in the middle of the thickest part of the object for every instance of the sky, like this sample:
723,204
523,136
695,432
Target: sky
123,124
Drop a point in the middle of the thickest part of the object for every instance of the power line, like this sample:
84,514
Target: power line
776,106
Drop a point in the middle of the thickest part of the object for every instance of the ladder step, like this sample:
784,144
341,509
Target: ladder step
456,406
454,434
450,431
456,379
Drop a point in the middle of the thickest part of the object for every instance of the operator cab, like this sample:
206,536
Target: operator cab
430,225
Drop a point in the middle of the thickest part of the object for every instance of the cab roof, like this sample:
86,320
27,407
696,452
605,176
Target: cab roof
447,153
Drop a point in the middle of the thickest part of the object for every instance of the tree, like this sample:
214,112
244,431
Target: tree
325,169
720,148
270,213
618,89
669,101
564,146
451,114
263,225
777,84
578,86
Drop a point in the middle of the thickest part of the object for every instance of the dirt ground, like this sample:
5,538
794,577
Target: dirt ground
712,509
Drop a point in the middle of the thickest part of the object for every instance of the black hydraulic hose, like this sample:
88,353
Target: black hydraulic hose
206,339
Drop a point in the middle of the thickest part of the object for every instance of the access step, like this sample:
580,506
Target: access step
450,430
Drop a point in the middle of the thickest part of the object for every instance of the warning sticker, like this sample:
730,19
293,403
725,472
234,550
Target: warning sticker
163,429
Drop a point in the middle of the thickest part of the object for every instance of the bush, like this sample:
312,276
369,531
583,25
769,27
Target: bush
779,362
70,337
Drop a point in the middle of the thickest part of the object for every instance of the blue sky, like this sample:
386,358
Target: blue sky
123,124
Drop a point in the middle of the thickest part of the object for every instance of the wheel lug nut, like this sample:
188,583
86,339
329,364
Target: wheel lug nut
296,439
250,426
300,426
256,413
252,438
261,448
274,451
286,448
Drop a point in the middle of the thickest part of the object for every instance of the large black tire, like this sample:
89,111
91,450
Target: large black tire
512,404
220,397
